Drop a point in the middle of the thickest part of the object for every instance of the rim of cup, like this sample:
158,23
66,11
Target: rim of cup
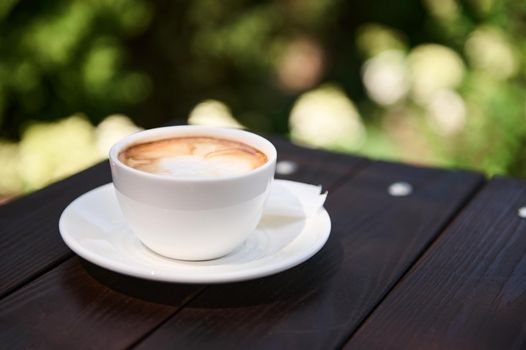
220,132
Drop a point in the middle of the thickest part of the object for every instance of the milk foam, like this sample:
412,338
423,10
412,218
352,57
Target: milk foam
193,157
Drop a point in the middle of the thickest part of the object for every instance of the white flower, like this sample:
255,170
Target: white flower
385,77
326,117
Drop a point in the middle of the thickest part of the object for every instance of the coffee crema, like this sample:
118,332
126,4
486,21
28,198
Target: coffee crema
193,157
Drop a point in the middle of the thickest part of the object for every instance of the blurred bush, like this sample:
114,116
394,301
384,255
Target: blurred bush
428,81
52,150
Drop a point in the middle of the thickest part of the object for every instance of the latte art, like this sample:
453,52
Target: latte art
193,157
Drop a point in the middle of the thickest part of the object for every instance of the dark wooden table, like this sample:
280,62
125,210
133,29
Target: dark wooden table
441,268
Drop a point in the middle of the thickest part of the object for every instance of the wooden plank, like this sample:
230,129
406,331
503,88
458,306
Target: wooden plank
30,242
469,289
39,313
67,309
375,239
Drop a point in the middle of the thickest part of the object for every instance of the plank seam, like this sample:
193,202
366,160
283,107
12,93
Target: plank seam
458,211
37,274
176,311
356,169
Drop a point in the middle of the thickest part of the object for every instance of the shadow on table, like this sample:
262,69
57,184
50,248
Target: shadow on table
299,282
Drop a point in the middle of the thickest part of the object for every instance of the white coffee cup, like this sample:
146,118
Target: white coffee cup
192,219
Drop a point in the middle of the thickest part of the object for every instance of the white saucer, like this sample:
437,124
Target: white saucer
93,227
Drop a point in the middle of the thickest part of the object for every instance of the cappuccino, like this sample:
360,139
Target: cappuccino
193,157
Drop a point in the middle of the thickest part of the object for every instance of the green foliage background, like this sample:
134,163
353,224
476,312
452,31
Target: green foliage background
155,61
61,57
